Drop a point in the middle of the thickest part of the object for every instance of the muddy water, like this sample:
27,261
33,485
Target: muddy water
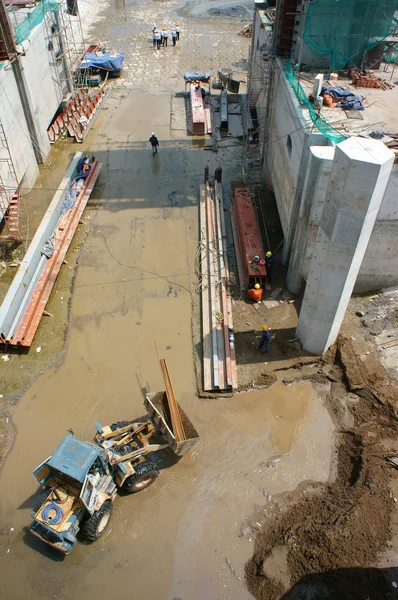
135,284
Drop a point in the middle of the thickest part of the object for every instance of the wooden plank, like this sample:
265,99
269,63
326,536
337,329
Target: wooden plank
204,285
178,428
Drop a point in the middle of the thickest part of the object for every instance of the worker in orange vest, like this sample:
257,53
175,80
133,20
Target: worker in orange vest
255,293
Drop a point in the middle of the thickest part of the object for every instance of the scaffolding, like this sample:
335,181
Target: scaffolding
261,70
64,38
66,42
9,191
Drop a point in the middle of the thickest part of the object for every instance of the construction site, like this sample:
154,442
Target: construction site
198,248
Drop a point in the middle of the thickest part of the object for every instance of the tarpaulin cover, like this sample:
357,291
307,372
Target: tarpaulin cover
324,127
102,61
192,76
347,99
347,29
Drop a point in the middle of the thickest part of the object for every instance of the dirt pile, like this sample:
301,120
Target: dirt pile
343,524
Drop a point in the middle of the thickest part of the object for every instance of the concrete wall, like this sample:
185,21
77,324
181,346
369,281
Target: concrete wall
16,132
288,151
45,94
379,266
44,91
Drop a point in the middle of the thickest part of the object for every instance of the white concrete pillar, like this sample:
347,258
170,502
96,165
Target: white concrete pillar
359,176
311,206
317,86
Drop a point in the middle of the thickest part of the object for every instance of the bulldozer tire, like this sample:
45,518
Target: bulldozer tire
143,477
95,525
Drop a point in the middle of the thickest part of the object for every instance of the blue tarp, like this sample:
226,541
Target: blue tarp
193,76
102,61
348,100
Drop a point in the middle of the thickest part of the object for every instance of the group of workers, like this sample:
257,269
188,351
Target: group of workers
160,38
255,294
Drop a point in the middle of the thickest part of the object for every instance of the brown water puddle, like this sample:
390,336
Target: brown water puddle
180,538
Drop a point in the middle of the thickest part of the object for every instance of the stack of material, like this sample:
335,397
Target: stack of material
26,299
246,31
370,81
249,249
78,116
175,416
219,360
197,111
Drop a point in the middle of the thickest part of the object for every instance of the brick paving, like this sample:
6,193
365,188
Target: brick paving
206,44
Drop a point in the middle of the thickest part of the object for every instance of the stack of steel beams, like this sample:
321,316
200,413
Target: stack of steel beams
219,360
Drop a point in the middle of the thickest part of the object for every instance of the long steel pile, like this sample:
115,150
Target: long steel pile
219,360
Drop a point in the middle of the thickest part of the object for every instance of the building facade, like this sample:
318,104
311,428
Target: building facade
298,148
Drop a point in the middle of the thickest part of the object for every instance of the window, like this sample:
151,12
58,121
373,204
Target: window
289,145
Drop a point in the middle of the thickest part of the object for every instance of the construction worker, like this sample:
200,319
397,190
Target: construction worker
174,36
158,38
84,159
269,263
178,31
165,36
85,169
255,293
154,38
154,143
265,339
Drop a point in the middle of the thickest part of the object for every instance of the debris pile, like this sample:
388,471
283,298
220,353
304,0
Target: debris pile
368,80
246,31
316,525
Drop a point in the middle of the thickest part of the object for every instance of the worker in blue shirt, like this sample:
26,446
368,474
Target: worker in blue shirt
269,263
265,340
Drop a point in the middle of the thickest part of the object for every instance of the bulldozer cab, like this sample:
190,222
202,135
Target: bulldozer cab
71,462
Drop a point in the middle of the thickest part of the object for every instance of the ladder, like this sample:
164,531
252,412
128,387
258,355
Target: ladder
12,220
9,201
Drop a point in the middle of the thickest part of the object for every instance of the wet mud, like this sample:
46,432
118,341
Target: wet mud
345,523
187,535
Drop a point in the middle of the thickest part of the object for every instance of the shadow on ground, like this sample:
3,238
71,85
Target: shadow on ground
347,584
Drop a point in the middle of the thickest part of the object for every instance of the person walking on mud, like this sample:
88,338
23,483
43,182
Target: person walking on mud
178,31
165,36
265,341
154,143
174,36
154,40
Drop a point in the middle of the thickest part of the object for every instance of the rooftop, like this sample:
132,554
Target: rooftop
380,105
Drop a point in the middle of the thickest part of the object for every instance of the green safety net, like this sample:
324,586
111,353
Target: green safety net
323,126
347,29
34,18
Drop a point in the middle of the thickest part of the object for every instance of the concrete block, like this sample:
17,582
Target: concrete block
358,180
317,87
